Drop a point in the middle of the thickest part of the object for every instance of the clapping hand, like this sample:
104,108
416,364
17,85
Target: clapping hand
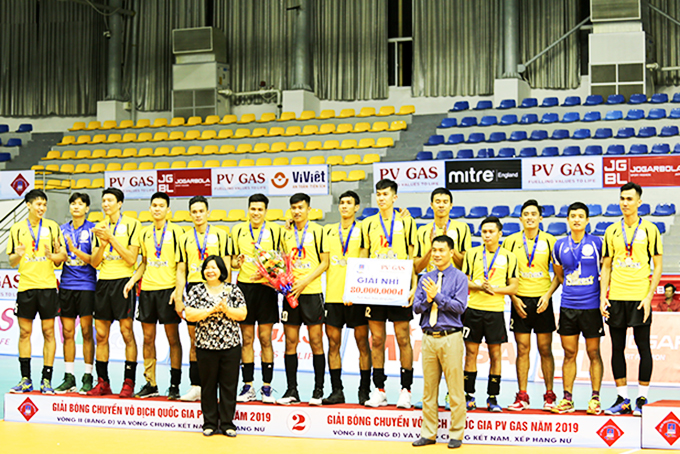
430,289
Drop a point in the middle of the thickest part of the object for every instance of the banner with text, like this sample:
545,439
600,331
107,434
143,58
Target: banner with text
484,174
643,170
378,281
413,176
14,184
575,172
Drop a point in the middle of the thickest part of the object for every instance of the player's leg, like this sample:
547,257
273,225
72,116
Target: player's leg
334,335
544,344
172,333
402,331
596,372
570,347
68,332
523,340
378,398
247,393
470,373
361,339
618,362
25,331
264,335
86,331
130,357
102,329
292,335
150,388
642,336
493,388
318,361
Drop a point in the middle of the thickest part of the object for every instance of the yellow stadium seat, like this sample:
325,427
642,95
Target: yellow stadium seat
351,159
142,123
67,140
143,137
39,184
406,110
114,138
246,118
178,165
380,126
97,168
334,160
229,163
114,153
277,147
275,131
241,133
176,135
366,143
159,137
312,145
95,216
144,152
130,214
52,154
113,167
211,163
225,134
159,123
292,131
346,113
261,148
356,175
161,151
309,130
210,120
228,119
295,146
109,124
267,116
343,128
258,132
77,126
83,154
177,121
144,216
246,163
236,215
208,134
338,175
195,164
262,162
274,214
124,124
161,165
128,137
362,127
283,161
315,214
91,126
82,168
226,149
98,138
181,216
298,161
82,140
98,154
192,134
366,112
307,115
67,168
317,160
197,149
287,116
331,145
326,114
97,183
398,125
348,144
130,153
130,166
386,111
177,151
82,183
370,158
146,165
244,148
217,216
68,154
52,167
384,142
327,128
193,121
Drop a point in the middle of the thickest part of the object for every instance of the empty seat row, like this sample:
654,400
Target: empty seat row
14,142
25,127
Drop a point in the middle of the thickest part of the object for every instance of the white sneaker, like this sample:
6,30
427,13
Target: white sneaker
267,395
247,394
404,399
378,399
193,395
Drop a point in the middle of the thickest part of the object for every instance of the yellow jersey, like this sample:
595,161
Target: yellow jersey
376,239
35,270
160,272
503,269
458,231
217,241
243,242
128,234
534,281
337,268
306,261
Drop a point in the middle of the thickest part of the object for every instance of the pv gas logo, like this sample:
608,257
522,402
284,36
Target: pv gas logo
20,184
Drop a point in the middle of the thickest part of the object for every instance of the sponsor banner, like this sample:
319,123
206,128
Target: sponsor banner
135,184
184,183
274,181
661,425
14,184
484,174
578,172
378,281
643,170
349,422
414,176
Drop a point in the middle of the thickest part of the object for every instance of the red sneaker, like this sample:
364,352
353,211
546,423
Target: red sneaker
128,389
549,399
521,402
103,388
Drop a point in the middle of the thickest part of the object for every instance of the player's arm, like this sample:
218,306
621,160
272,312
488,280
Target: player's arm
135,277
605,276
57,251
15,250
510,289
180,282
559,275
646,303
85,258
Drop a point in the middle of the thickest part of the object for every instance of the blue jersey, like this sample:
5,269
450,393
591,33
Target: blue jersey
78,275
581,264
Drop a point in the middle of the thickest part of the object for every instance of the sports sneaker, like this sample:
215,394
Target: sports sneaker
492,405
549,399
193,395
594,407
68,386
639,402
103,388
247,394
404,400
87,384
146,391
128,389
364,395
24,386
378,399
521,402
336,397
317,397
565,406
173,392
267,395
620,407
470,403
46,387
290,397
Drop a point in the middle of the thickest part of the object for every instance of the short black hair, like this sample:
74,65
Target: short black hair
219,261
578,206
631,185
300,197
352,194
386,183
261,198
443,239
441,191
117,193
669,285
34,194
161,195
198,199
531,203
492,220
79,195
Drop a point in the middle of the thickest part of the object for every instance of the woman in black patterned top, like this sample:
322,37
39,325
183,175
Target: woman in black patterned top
217,306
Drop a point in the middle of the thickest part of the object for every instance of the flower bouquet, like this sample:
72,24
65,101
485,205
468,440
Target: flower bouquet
277,268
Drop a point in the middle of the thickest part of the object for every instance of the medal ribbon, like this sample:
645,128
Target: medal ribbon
629,247
391,234
159,246
345,244
114,230
202,251
301,242
493,260
36,241
76,243
573,247
259,237
530,259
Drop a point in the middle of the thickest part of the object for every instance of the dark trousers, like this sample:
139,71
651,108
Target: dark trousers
218,368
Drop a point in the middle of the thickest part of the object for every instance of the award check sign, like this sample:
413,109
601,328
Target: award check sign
378,281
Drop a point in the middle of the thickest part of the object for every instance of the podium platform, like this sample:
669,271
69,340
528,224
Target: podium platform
529,428
661,425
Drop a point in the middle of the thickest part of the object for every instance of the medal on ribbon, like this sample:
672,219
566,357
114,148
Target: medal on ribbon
345,244
530,259
493,260
300,244
202,251
159,246
36,239
114,231
629,246
388,237
259,237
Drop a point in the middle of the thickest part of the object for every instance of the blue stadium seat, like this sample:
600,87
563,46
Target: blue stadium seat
559,134
646,131
570,117
550,117
485,153
455,139
529,102
510,228
661,148
659,98
550,101
613,210
488,120
538,134
507,120
444,154
675,113
460,106
500,211
506,152
557,228
548,211
635,114
477,212
615,99
4,128
593,150
429,213
528,152
475,243
669,131
570,101
516,136
507,104
476,137
644,210
656,114
638,148
603,133
592,116
474,232
637,99
676,148
0,142
601,227
424,156
367,212
25,127
613,115
466,122
529,119
415,212
457,212
593,100
676,97
581,134
564,210
13,143
465,154
448,123
664,209
625,133
661,226
615,150
436,139
549,152
516,212
5,157
594,209
573,150
484,105
497,136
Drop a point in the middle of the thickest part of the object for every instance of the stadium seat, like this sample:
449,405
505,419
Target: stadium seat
676,98
581,134
77,126
548,211
625,133
117,153
455,139
550,117
386,111
484,105
529,119
591,116
52,154
550,101
656,114
601,227
262,162
676,148
367,212
366,112
613,210
460,106
279,131
550,152
529,102
613,115
407,110
500,211
362,127
115,138
573,150
292,131
488,120
261,147
176,135
239,134
570,101
262,132
507,120
615,99
246,118
214,163
356,175
369,158
477,212
485,153
516,136
364,143
348,144
507,104
664,209
661,148
398,125
644,209
379,126
506,152
661,226
646,131
84,154
67,140
243,148
229,163
570,117
593,150
635,114
82,140
330,145
347,113
593,100
538,134
564,209
193,121
444,154
467,122
594,209
177,151
306,115
177,121
557,228
351,159
516,212
637,99
510,228
559,134
93,125
497,136
603,133
98,153
615,150
669,131
236,215
528,152
448,123
308,130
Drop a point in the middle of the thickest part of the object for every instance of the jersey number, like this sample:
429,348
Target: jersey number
368,312
466,332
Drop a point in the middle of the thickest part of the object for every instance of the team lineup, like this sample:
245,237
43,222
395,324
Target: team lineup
458,290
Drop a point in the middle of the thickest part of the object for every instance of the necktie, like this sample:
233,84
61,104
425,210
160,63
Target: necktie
434,311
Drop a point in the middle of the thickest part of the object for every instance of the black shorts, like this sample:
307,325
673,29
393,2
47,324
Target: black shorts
623,314
76,303
153,307
308,311
478,325
576,321
38,301
187,288
380,313
338,315
538,323
109,302
262,303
